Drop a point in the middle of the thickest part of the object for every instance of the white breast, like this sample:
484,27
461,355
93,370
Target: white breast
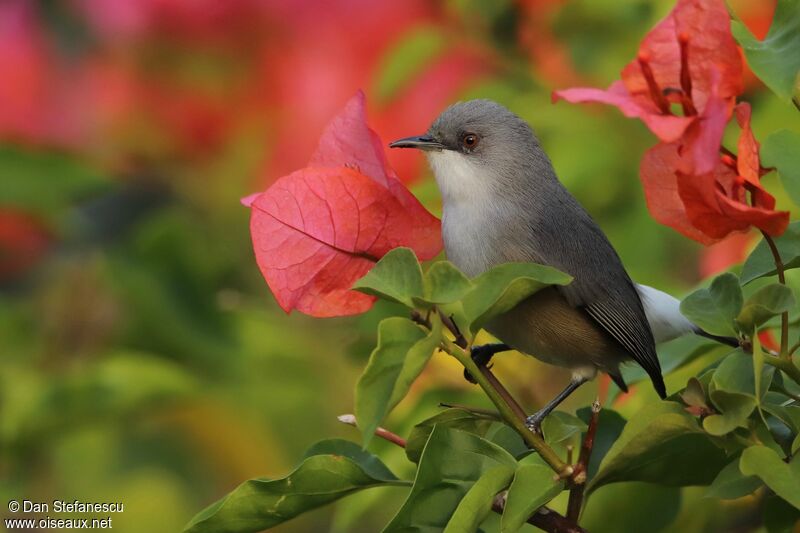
467,214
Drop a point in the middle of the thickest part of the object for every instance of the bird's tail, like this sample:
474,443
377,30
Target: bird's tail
658,384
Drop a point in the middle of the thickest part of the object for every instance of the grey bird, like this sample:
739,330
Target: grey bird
502,202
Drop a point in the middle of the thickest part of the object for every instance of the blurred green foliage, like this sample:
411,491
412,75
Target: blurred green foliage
145,361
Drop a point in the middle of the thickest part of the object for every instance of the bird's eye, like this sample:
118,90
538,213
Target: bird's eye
469,141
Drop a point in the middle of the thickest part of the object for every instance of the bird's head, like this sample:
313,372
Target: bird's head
474,146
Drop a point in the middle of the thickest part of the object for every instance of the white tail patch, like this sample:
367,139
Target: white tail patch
664,314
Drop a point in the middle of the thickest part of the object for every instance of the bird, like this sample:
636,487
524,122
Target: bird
502,202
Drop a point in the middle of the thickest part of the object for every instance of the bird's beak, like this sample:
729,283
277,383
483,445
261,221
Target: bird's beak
420,142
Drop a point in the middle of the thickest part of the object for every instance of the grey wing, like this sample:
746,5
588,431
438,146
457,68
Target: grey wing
601,286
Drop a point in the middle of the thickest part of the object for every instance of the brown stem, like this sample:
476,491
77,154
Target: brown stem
545,519
462,343
782,279
581,468
417,318
515,406
459,339
383,433
501,399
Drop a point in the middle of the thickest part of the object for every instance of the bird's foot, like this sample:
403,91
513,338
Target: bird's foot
481,355
534,422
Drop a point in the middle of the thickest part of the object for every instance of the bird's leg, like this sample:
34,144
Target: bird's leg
483,354
534,422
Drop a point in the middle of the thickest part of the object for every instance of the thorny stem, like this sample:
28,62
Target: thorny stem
782,279
581,468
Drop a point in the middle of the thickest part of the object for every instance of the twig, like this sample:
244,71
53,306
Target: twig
459,339
383,433
462,343
779,267
581,468
501,399
544,518
519,412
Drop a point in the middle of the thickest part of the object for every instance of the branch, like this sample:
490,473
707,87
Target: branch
545,519
502,400
582,467
782,279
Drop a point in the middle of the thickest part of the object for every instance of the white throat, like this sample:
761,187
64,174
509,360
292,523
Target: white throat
469,216
459,179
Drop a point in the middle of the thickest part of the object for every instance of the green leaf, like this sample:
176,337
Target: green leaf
632,507
781,150
444,283
777,515
733,392
560,426
371,464
453,418
788,414
46,180
451,463
765,303
657,436
331,470
715,308
675,354
501,288
477,502
760,263
401,354
397,277
782,478
776,59
534,485
731,484
418,356
694,395
734,409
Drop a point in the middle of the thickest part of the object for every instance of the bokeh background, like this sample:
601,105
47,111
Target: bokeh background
142,357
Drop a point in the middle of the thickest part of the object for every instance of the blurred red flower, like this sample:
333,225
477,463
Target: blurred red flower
23,241
691,60
318,230
37,102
